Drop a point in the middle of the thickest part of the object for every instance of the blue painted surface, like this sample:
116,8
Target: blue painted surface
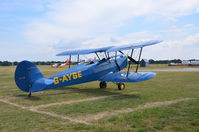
26,74
110,48
90,72
134,46
132,77
83,51
29,79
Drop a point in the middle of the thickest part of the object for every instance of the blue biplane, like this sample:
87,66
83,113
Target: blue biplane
29,78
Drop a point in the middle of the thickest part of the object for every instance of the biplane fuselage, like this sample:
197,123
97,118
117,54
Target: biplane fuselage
88,72
29,78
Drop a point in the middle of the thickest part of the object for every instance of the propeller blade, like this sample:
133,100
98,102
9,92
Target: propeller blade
132,60
121,52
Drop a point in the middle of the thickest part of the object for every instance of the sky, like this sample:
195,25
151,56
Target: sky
37,30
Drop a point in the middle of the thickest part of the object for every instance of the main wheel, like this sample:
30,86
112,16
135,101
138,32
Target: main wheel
121,86
103,84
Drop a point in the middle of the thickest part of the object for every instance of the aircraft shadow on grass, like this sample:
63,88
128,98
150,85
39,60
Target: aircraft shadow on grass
69,90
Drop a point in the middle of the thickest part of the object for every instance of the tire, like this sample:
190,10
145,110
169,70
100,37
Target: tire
103,84
121,86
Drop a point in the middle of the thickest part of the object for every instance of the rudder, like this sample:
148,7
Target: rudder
26,74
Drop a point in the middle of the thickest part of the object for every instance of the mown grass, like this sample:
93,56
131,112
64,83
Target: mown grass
58,95
14,119
166,86
180,117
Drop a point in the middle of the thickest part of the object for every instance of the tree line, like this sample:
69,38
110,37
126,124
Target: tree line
8,63
151,61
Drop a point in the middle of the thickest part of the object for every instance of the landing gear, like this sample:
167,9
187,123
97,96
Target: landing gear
121,86
103,84
29,95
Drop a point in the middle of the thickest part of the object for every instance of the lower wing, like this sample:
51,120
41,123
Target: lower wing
132,76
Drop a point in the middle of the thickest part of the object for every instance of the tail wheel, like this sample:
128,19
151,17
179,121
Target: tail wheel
29,95
103,84
121,86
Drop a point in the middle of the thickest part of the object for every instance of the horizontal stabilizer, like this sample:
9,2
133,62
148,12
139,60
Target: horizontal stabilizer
132,77
41,84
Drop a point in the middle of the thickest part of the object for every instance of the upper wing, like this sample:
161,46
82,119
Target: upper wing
134,46
109,48
84,51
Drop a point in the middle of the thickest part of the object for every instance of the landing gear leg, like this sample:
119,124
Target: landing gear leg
29,95
121,86
103,84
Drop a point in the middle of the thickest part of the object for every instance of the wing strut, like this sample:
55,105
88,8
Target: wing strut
130,59
97,55
129,64
77,59
69,60
106,55
139,59
116,61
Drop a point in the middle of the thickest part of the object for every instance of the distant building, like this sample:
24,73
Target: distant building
144,63
194,63
186,63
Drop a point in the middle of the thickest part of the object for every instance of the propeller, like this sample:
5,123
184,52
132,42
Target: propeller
130,58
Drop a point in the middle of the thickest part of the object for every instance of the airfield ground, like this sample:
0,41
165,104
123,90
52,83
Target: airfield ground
168,102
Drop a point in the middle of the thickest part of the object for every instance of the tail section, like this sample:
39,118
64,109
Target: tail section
29,78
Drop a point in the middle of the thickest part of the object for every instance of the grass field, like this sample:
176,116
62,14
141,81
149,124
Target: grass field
169,102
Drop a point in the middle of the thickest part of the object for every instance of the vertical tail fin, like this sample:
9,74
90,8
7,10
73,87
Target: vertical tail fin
26,75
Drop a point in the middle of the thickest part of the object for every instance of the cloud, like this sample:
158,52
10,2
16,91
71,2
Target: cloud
172,49
67,20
